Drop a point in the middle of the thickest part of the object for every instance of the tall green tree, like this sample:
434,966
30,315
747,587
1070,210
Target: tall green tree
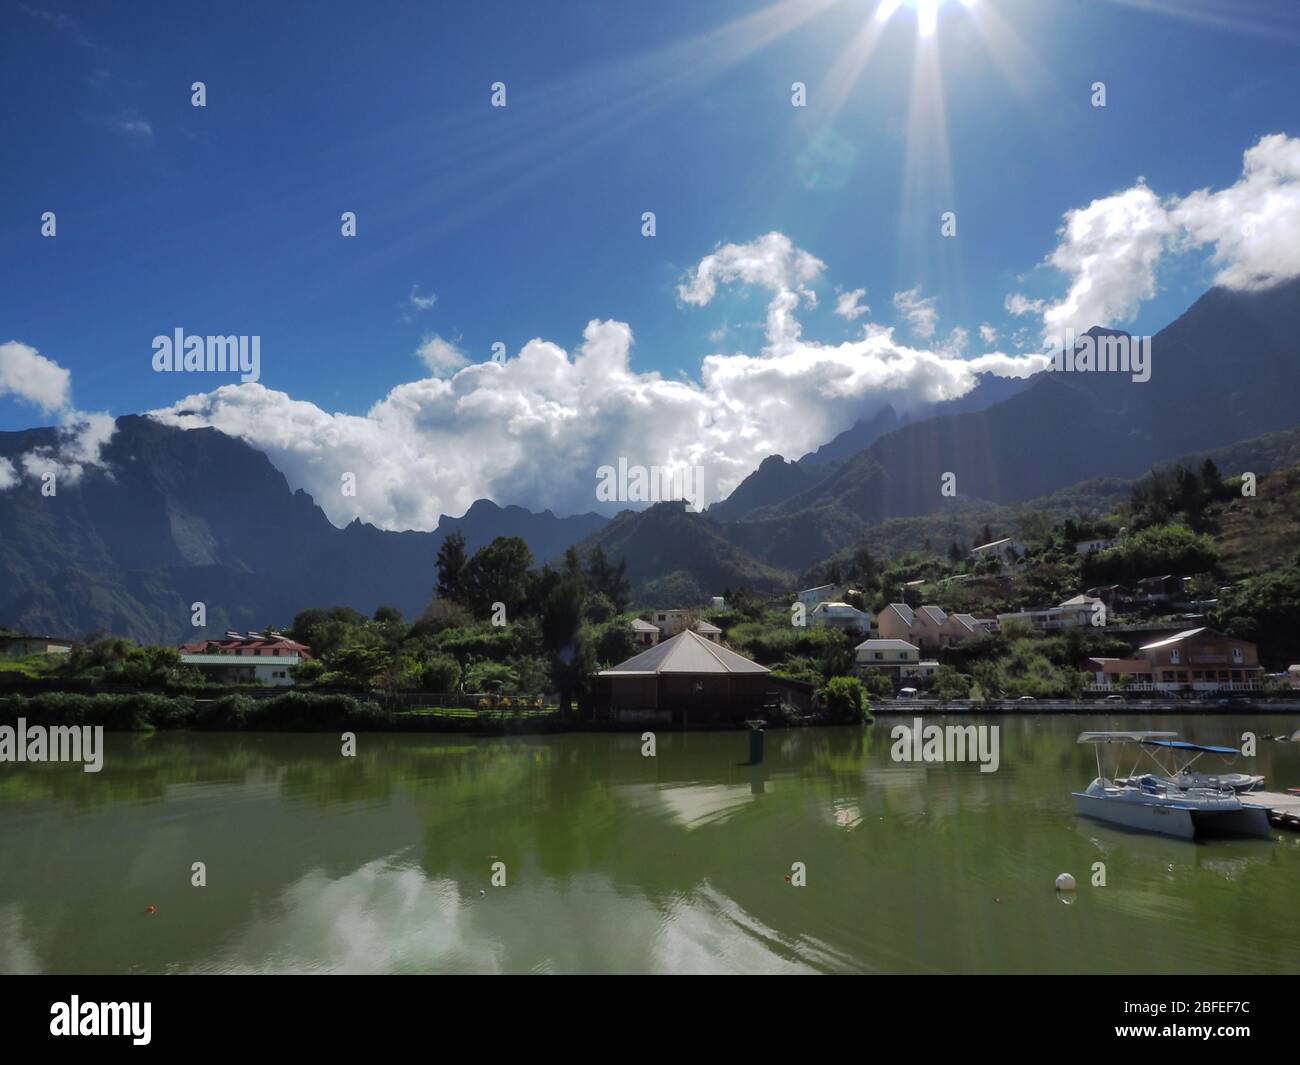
498,573
562,613
451,566
608,579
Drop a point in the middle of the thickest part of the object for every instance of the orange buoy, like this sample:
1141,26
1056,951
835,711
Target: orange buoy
151,909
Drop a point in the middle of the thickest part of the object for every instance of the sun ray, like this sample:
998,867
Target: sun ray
886,9
927,17
928,187
1237,16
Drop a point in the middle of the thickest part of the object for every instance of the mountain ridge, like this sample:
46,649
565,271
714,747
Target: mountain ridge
174,517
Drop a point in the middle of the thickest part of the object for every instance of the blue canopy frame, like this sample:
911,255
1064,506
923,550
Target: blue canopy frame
1183,745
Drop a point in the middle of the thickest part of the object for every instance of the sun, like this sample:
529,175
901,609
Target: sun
927,12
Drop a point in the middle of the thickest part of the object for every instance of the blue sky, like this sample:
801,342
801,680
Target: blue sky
525,221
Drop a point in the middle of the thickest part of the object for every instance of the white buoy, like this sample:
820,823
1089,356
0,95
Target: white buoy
1065,882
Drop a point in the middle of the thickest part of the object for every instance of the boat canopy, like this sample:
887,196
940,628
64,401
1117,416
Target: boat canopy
1124,737
1183,745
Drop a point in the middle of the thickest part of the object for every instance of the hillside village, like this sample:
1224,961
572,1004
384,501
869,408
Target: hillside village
1088,608
1178,584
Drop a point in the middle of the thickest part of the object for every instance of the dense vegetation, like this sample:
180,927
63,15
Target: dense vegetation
502,628
144,710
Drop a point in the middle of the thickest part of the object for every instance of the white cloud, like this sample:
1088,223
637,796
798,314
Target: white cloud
1021,305
1254,225
534,430
42,382
1111,249
29,375
956,342
849,304
417,304
422,303
82,438
988,334
918,311
441,356
771,262
1000,364
130,123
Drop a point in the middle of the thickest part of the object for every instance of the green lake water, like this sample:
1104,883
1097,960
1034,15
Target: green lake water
615,862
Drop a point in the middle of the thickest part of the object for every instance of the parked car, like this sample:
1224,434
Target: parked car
1113,699
1026,699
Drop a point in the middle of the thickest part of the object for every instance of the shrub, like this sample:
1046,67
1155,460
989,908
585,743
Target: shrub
441,674
845,700
136,712
949,684
228,713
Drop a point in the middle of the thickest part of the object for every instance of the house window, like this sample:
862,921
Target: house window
879,656
1175,657
1237,656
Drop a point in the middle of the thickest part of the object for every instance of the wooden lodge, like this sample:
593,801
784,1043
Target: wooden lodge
689,680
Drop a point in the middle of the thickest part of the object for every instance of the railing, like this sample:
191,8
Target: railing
1169,686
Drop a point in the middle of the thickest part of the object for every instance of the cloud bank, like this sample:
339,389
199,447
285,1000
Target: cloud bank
534,428
41,382
1111,249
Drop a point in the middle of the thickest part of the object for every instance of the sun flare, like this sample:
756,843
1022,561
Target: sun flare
927,12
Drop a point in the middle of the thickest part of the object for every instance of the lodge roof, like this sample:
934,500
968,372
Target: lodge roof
687,652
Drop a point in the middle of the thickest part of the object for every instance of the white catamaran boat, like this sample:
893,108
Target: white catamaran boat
1173,803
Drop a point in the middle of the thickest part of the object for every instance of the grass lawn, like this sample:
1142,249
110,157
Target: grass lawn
37,665
473,712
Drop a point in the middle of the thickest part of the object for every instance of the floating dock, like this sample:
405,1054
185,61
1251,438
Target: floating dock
1283,808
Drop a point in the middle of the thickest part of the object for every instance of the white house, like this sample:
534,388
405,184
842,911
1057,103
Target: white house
710,632
1078,611
840,616
888,656
20,646
265,659
1007,550
927,668
823,593
643,633
671,622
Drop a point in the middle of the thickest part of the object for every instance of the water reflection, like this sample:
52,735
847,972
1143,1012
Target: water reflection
616,862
